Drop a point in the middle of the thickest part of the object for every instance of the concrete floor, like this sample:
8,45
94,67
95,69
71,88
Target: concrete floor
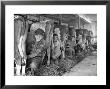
87,67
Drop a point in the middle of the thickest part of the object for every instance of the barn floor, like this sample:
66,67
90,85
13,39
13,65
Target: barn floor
87,67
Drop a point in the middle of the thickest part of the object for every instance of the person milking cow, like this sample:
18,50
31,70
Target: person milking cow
56,47
38,50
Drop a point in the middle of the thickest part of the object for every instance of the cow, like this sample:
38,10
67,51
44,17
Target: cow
20,35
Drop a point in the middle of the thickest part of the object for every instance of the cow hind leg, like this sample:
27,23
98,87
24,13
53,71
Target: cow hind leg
18,70
21,47
23,70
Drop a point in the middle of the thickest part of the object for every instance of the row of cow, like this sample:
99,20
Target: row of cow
35,42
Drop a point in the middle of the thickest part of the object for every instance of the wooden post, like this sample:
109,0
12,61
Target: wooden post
79,22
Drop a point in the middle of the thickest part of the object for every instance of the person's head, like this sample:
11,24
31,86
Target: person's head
39,34
55,37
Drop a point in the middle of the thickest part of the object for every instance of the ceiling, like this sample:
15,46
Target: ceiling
71,17
90,17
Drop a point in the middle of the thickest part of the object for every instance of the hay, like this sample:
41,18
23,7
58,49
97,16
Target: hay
59,68
50,70
65,65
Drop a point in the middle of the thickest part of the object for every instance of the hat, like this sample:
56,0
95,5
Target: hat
39,32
